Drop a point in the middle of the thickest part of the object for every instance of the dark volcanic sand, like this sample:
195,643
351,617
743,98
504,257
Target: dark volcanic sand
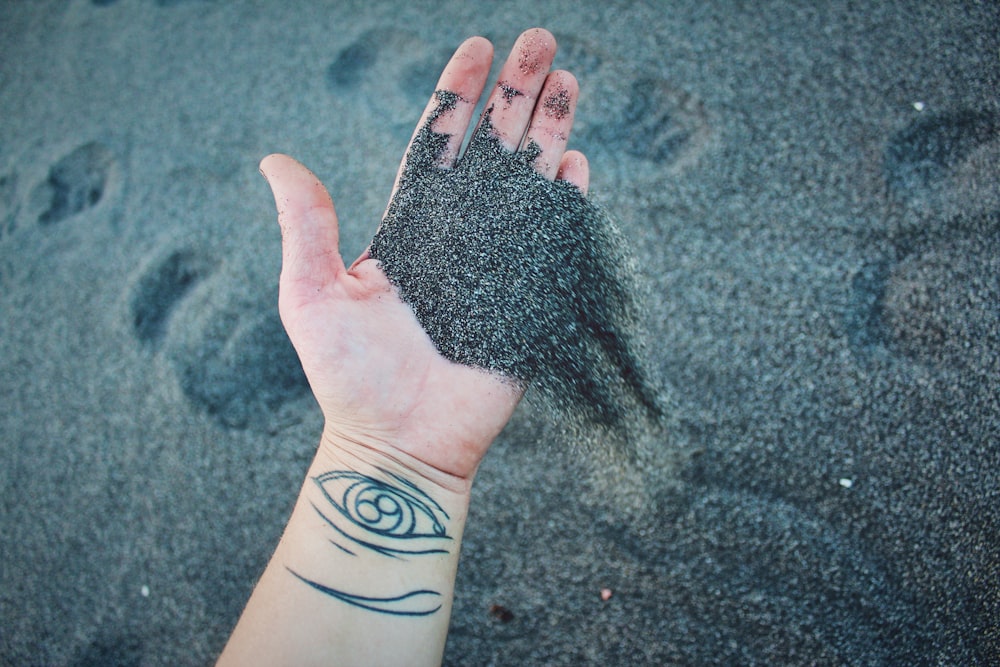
810,191
513,273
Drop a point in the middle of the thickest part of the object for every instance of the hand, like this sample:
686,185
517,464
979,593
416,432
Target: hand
377,377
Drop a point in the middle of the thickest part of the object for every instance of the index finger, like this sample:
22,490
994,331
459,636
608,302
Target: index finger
464,77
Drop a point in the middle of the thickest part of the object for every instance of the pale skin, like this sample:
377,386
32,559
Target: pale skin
395,410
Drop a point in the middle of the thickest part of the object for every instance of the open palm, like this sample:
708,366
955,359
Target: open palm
376,374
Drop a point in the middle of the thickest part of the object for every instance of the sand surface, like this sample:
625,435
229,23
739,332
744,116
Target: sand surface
812,194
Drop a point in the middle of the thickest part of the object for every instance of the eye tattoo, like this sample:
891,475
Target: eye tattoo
388,515
391,519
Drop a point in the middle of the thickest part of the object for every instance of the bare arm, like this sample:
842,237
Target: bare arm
365,571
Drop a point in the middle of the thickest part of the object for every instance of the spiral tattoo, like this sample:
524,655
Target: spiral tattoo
392,519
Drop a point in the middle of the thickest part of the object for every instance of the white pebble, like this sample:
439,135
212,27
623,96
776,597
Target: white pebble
919,106
145,591
845,482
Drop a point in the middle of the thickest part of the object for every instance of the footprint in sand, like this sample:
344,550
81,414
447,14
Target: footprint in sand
649,124
834,566
946,163
234,362
939,300
161,287
399,56
640,126
241,368
759,566
812,586
8,204
657,125
932,296
75,183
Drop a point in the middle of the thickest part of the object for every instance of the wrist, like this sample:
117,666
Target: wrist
372,536
339,451
371,549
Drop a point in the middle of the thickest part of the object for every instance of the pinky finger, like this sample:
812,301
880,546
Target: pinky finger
574,168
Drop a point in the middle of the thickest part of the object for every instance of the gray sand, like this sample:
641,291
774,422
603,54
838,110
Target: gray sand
810,191
515,274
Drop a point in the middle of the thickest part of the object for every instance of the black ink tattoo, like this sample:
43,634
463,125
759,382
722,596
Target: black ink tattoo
388,515
390,519
415,603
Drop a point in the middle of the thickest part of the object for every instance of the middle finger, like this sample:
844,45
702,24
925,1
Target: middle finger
521,79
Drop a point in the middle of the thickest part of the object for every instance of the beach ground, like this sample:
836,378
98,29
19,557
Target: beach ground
811,194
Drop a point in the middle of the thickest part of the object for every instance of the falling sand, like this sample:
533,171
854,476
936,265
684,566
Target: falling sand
510,272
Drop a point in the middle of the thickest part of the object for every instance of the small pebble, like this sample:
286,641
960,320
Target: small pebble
501,613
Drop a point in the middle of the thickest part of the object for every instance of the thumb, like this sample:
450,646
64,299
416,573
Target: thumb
310,254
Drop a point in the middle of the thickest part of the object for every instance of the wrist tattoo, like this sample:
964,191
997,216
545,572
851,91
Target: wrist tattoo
387,515
414,603
391,517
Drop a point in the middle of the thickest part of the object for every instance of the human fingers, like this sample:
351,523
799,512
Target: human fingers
574,168
522,76
310,256
552,121
464,78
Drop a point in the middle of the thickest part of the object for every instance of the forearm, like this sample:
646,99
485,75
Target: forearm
365,571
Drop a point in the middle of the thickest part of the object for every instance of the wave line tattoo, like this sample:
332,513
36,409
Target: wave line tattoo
410,604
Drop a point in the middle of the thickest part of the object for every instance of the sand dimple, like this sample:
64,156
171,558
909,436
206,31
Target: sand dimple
643,124
8,203
941,301
388,53
76,182
355,61
513,273
659,123
933,297
241,369
945,163
232,361
161,287
794,577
